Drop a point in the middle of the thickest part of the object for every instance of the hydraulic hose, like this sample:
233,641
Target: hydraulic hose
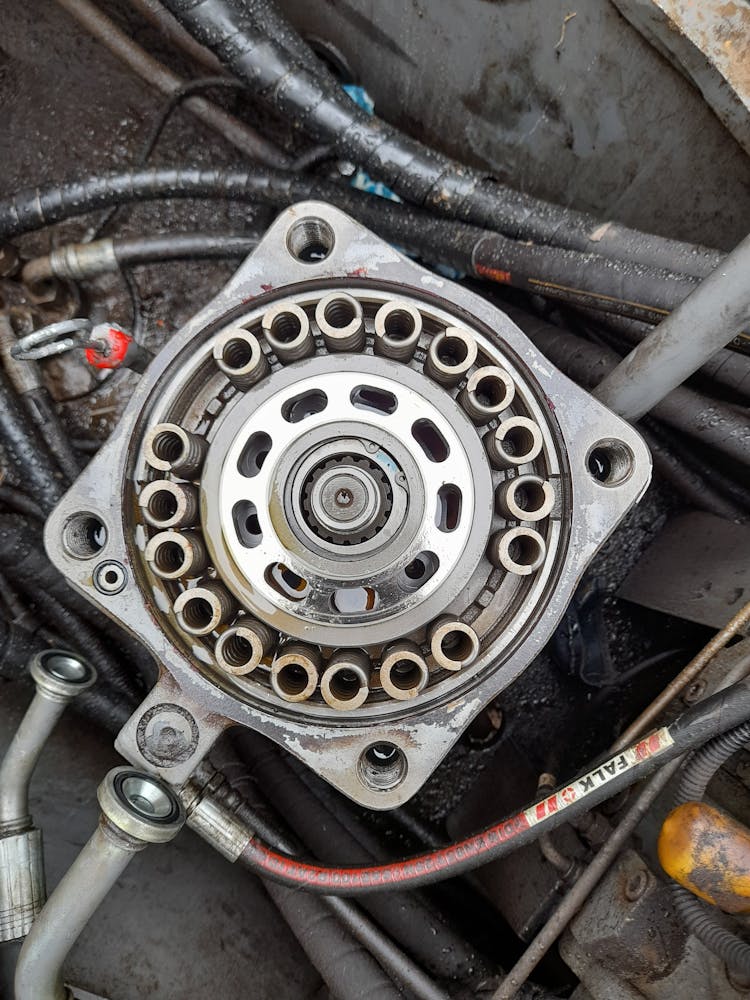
581,279
121,45
409,918
694,728
227,799
19,502
80,261
25,450
707,320
698,917
419,174
348,971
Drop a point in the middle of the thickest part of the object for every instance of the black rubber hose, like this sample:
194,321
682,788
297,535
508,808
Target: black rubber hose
421,175
85,640
409,918
614,286
42,410
348,971
714,424
182,246
258,814
25,450
699,918
19,502
692,488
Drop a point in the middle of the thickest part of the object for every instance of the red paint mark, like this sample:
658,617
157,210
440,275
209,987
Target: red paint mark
359,272
267,288
503,277
118,343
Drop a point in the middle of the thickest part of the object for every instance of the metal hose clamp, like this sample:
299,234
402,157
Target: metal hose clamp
54,339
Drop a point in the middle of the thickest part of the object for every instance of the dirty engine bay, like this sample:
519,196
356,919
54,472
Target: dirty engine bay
374,499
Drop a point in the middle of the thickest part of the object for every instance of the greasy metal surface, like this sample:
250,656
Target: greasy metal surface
627,923
563,99
708,852
695,569
707,40
626,949
180,922
426,735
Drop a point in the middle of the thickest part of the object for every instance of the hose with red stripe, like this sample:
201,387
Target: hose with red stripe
695,727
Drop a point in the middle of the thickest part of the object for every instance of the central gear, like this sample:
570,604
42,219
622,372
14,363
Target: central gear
347,500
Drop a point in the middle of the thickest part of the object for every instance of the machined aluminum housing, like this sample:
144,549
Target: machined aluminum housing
357,442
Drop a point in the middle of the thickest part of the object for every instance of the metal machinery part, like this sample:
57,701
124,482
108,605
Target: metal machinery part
346,507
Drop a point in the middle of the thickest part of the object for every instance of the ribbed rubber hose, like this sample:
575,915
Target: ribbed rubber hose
699,917
421,175
580,279
25,450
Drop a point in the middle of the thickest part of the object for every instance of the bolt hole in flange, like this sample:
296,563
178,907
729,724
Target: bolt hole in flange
610,462
84,536
310,240
382,766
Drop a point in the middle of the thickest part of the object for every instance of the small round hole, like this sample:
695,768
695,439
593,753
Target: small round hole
84,536
310,240
66,668
198,613
168,446
146,797
382,766
399,325
292,679
610,462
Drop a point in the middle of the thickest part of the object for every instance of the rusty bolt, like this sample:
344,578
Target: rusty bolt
694,692
636,885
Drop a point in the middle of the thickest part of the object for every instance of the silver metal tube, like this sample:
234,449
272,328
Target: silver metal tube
83,888
59,677
706,321
22,756
137,810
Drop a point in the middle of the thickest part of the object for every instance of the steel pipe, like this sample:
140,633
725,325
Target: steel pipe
137,810
703,323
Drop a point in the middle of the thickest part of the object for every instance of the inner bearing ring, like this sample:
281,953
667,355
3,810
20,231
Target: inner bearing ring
346,501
